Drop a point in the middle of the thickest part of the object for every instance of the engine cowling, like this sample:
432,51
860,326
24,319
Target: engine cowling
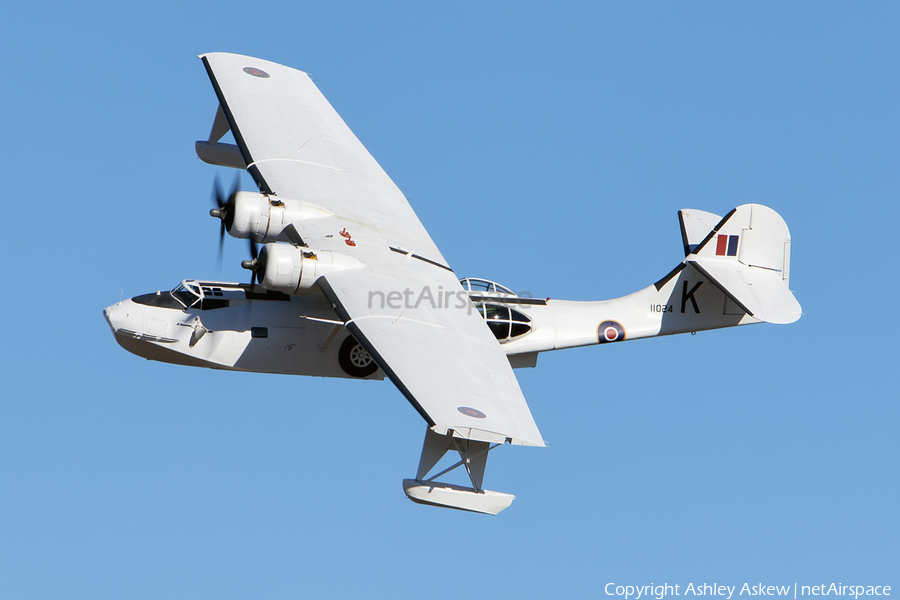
291,269
263,217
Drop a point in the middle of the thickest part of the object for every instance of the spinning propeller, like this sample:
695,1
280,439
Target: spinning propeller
224,211
257,266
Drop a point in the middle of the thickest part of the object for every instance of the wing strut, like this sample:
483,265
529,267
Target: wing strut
473,455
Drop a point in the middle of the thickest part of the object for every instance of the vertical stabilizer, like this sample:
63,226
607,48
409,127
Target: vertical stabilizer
695,226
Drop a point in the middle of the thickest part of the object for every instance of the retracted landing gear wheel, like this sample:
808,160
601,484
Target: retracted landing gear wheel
355,360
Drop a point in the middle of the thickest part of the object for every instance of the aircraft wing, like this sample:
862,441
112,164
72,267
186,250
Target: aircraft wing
405,305
295,145
443,358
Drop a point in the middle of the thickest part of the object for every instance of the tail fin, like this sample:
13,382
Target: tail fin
695,226
747,255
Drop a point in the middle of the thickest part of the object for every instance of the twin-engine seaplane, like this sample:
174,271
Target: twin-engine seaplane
349,284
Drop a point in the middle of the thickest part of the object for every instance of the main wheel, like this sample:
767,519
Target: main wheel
355,360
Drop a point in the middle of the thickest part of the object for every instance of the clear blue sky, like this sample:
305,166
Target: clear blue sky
546,146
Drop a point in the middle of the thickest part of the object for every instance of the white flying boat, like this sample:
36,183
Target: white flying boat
349,284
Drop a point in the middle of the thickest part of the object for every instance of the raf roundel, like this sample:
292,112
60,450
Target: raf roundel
256,72
471,412
610,331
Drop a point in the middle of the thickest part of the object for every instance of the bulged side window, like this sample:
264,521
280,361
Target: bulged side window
504,322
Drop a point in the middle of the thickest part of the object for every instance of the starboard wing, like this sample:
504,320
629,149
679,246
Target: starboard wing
435,347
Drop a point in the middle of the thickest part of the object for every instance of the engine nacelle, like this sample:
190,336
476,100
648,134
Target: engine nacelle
263,217
290,269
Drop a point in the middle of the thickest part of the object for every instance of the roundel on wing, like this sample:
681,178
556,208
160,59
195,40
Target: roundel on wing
471,412
610,331
256,72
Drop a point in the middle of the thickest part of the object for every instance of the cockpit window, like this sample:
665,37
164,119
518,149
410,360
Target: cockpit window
212,291
186,294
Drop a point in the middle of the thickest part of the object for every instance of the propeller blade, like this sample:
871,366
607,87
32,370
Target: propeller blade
217,193
224,210
221,246
235,187
218,212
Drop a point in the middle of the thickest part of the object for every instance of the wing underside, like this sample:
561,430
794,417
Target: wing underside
441,357
404,304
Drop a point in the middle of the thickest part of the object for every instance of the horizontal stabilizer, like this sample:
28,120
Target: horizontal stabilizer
455,496
761,293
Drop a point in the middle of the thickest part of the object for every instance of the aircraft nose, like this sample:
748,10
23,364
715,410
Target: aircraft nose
122,314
